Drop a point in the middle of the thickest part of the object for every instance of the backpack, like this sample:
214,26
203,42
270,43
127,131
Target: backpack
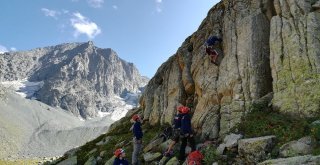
177,121
195,158
167,133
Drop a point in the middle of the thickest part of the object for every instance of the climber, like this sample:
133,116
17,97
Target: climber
137,140
176,130
186,133
119,160
195,158
211,45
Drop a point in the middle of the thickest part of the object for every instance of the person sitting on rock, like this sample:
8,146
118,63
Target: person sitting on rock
210,48
137,140
176,130
186,133
119,160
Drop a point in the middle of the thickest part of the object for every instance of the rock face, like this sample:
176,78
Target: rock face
78,77
295,56
265,49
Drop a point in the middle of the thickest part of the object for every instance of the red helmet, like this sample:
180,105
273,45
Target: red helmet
194,157
135,117
183,109
118,152
180,108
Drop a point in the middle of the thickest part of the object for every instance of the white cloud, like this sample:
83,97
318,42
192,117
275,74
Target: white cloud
115,7
95,3
13,49
65,11
50,13
83,25
3,49
159,5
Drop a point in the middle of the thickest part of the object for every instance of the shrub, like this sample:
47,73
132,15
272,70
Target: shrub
266,122
210,155
315,131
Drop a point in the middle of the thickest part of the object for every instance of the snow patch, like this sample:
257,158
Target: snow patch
23,87
103,114
81,119
120,106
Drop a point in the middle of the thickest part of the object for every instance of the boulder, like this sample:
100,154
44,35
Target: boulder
92,151
104,141
255,150
69,161
102,153
165,145
316,6
232,140
221,148
303,146
91,161
173,161
153,145
71,152
188,150
315,129
110,161
149,157
164,160
299,160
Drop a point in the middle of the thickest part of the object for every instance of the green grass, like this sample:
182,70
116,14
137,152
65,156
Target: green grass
210,155
285,127
262,123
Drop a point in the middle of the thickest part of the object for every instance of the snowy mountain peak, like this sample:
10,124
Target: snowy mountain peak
78,77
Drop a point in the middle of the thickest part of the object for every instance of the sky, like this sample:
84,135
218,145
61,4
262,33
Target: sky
144,32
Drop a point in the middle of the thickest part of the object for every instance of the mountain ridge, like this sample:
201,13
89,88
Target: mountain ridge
79,77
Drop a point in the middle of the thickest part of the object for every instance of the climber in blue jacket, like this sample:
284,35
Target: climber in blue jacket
137,140
186,133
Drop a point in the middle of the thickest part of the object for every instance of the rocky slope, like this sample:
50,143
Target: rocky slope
78,77
268,46
29,128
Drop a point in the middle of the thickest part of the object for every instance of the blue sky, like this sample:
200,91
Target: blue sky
145,32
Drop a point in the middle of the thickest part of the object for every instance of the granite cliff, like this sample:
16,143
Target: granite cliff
270,48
